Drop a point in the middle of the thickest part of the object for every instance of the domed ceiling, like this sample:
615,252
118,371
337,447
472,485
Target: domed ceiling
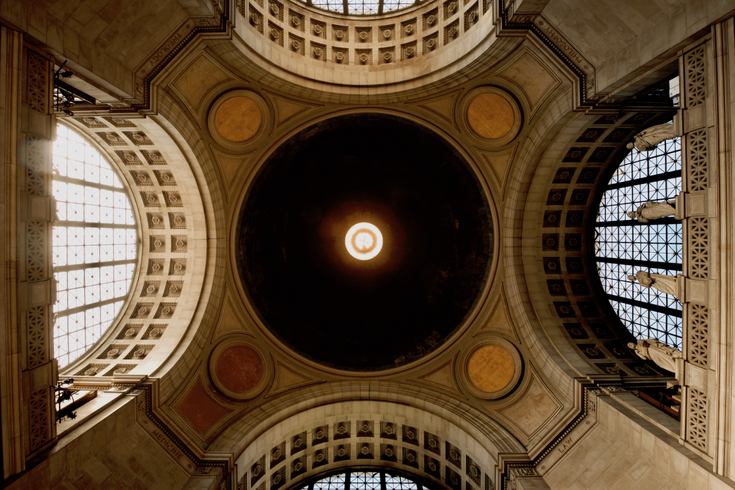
364,315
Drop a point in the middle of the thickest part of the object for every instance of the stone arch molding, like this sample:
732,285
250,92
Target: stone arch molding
560,170
172,250
428,442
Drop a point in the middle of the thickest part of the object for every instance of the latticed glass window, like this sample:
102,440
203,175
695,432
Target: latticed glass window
394,482
363,480
361,7
624,246
94,245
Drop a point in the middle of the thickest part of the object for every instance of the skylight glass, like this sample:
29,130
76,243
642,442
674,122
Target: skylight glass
94,245
393,482
363,480
361,7
624,246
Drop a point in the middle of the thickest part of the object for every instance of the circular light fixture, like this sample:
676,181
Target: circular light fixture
364,241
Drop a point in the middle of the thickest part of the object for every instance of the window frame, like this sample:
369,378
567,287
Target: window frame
671,310
383,471
347,4
127,189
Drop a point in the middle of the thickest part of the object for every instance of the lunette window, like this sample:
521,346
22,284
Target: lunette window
361,7
623,246
363,480
94,244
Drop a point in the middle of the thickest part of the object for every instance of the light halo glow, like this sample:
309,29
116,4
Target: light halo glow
364,241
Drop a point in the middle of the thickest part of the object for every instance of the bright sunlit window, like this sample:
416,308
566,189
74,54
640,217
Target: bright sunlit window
94,245
361,7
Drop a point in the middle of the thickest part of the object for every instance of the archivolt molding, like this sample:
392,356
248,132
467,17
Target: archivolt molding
349,433
332,49
518,297
260,44
172,248
560,208
208,309
244,432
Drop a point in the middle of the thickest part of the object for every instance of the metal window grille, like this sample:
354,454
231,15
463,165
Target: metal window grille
361,7
363,480
624,246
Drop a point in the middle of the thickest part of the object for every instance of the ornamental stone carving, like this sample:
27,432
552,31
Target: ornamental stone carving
665,284
664,356
647,139
653,210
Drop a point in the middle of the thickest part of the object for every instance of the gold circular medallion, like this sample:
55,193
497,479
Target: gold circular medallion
238,119
490,116
491,368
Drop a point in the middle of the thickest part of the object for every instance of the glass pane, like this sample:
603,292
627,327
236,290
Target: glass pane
363,7
335,482
333,5
394,482
389,5
365,481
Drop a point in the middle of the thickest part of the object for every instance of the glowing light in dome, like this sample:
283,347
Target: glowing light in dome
364,241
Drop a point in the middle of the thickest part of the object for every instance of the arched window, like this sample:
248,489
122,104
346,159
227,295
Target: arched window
361,7
624,246
363,480
94,245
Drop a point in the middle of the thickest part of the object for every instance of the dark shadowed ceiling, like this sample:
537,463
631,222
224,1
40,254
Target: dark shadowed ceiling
376,314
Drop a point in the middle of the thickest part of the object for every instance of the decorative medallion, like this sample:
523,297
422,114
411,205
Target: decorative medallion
492,115
237,369
237,119
492,367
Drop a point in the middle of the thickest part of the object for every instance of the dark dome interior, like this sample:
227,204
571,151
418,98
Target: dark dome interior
381,313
